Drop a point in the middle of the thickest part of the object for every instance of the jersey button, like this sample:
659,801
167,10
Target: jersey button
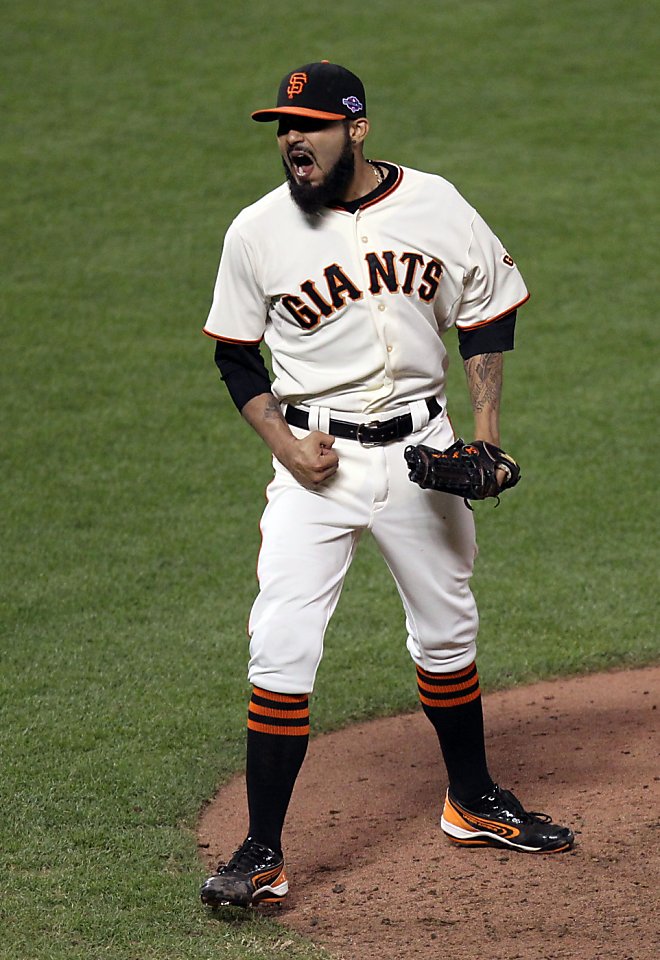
365,239
389,348
381,306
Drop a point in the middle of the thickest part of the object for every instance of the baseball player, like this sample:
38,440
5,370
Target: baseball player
351,272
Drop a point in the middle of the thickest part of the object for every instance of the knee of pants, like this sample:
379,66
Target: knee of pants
449,644
285,652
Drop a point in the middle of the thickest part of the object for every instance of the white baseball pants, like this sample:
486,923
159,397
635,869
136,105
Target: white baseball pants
309,538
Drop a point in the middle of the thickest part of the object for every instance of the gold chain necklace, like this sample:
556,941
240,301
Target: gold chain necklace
377,171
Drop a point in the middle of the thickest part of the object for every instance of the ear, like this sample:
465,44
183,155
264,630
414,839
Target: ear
358,130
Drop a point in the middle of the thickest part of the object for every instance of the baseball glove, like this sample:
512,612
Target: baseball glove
464,469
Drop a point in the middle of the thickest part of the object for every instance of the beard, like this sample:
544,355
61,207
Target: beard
311,199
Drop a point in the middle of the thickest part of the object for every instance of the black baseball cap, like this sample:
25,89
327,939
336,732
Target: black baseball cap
323,90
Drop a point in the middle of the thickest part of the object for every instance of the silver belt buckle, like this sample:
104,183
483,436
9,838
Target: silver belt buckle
368,426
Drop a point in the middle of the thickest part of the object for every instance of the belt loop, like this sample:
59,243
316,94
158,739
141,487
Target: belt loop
313,421
324,419
419,412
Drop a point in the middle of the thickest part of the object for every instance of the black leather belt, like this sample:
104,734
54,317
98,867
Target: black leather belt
372,434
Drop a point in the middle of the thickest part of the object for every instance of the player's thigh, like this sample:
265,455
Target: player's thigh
428,542
308,542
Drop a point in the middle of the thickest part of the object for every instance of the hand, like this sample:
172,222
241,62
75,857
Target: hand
501,475
311,460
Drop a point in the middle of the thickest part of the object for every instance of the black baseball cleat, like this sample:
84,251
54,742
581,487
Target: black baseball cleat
499,819
255,874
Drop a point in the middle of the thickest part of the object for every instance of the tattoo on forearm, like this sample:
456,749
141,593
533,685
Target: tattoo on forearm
484,376
272,410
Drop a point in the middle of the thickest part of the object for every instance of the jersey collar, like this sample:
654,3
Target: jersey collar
384,189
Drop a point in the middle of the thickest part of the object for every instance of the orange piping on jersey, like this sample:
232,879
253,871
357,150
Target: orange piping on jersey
215,336
484,323
387,192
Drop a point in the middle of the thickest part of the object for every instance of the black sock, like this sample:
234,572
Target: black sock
277,737
452,702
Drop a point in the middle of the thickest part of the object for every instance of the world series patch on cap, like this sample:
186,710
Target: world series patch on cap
323,90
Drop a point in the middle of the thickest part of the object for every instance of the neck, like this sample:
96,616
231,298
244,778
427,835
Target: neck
364,181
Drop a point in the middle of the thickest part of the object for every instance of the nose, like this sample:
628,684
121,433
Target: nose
289,133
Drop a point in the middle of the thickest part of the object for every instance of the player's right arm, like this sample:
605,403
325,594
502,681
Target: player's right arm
311,460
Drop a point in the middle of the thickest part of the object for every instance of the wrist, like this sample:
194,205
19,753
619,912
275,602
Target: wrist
488,436
487,430
283,447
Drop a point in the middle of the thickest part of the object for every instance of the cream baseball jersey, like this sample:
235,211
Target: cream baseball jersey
353,306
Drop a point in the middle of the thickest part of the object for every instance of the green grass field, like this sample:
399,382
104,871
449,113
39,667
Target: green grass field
131,489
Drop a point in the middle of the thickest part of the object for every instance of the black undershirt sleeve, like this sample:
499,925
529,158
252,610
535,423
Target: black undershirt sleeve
496,337
245,374
243,370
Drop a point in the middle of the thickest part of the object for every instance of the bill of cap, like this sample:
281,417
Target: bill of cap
263,116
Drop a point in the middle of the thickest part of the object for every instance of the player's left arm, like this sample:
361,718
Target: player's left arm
483,352
484,373
477,469
486,320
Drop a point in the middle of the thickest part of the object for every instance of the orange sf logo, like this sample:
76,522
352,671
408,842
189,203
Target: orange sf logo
296,83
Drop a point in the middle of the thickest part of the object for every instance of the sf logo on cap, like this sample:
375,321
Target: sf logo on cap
296,83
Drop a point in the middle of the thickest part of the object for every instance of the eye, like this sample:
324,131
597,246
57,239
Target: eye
302,125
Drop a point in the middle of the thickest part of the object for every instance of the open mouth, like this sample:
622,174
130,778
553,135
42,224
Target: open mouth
302,163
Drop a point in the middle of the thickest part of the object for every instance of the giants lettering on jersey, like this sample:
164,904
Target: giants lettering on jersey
409,273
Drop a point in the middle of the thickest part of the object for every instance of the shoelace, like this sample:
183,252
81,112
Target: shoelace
248,856
527,816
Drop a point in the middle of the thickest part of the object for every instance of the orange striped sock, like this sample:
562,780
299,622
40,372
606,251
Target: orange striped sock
279,713
452,702
277,738
448,689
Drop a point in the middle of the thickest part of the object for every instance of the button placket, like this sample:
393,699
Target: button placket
377,307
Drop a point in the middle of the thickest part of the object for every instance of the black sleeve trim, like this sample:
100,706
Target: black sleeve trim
243,370
496,337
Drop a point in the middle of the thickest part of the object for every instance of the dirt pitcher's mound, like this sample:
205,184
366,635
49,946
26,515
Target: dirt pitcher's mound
372,876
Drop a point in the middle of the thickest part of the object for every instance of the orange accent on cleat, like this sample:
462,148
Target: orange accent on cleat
502,821
255,874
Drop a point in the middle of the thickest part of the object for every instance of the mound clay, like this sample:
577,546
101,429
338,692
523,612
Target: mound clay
372,876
